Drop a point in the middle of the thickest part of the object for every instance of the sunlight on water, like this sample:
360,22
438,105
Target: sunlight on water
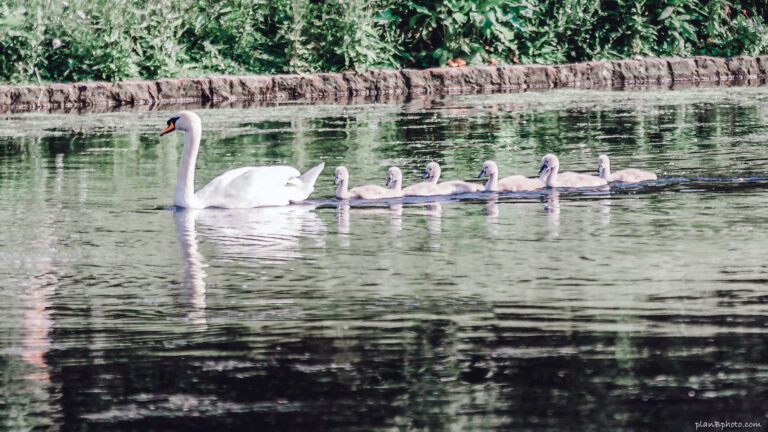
636,307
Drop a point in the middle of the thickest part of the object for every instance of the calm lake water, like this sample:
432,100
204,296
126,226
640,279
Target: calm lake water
642,307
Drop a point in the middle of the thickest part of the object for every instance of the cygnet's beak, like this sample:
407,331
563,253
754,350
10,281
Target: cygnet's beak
389,180
336,180
543,168
426,174
482,173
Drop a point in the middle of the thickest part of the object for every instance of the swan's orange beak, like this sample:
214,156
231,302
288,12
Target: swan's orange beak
171,127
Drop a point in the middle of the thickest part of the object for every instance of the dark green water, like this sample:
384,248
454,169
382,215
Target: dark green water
639,308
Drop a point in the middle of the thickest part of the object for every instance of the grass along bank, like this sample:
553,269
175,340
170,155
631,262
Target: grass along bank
79,40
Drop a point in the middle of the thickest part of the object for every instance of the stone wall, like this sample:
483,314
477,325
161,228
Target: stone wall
476,79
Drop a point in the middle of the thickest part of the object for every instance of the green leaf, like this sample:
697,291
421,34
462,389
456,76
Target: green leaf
666,13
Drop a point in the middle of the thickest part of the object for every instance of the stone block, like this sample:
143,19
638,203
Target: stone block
253,87
96,93
333,83
540,76
711,68
600,73
572,75
195,89
683,69
512,76
743,67
62,95
168,89
415,80
135,92
762,64
221,87
388,81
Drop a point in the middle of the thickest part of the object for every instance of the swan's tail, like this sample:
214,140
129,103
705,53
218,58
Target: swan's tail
310,177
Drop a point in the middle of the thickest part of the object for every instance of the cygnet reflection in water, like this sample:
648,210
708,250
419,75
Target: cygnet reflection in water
344,210
434,213
605,212
491,212
552,209
491,208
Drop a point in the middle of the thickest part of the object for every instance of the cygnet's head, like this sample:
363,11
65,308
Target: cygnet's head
432,171
603,163
549,163
184,121
342,174
394,177
489,168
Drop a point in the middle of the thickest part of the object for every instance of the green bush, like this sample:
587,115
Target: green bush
70,40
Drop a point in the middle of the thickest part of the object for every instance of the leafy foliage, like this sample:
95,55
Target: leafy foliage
68,40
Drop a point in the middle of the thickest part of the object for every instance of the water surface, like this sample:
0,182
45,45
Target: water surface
642,307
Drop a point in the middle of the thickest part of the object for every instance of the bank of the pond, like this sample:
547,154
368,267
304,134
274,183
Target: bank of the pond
476,79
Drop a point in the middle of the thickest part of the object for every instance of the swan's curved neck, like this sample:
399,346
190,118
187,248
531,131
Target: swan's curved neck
397,185
492,185
184,196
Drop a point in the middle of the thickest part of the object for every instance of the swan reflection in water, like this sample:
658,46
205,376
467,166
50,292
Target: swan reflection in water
257,236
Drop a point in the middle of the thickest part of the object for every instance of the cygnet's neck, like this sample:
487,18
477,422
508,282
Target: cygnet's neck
551,177
341,189
492,185
396,186
605,173
184,196
435,175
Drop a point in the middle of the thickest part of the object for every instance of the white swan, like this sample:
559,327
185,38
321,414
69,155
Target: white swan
432,187
629,175
244,187
369,192
513,183
550,165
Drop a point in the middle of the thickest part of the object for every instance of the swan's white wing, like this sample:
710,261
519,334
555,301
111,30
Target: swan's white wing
251,187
